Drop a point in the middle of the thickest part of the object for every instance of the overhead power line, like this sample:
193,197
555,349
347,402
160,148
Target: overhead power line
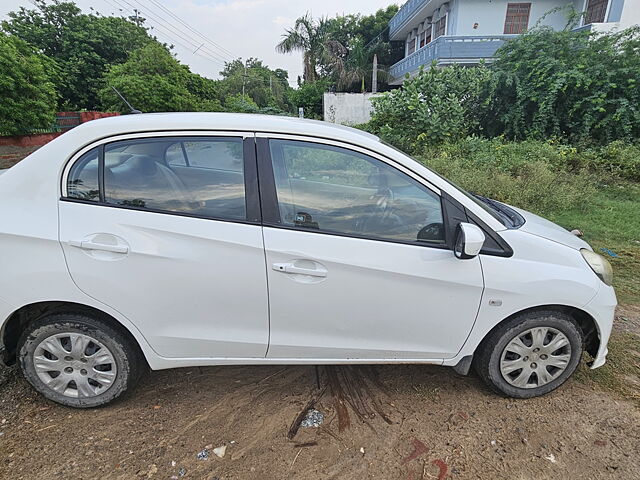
169,34
157,17
193,30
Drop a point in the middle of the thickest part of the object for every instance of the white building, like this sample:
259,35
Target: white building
467,31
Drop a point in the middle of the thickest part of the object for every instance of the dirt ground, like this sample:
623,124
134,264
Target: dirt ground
415,422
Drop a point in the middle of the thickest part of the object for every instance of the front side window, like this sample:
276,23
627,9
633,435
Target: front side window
596,11
201,176
517,20
335,190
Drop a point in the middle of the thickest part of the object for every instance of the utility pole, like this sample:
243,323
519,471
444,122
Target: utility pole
244,78
374,80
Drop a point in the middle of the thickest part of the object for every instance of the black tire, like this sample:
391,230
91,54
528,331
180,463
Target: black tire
489,354
126,356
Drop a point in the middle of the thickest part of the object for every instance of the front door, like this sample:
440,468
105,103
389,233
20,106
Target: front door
359,259
165,231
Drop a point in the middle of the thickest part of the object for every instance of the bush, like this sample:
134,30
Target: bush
577,85
532,175
439,104
28,99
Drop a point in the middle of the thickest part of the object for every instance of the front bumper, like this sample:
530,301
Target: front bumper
602,308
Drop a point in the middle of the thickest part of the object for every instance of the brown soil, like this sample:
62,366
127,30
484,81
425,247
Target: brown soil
441,426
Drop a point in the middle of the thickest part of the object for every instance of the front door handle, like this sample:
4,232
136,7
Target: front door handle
292,269
86,245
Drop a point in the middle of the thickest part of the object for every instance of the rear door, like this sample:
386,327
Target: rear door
172,243
359,257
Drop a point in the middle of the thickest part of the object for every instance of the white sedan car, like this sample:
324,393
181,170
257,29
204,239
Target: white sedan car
174,240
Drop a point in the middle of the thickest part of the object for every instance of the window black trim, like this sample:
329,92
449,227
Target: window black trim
101,173
253,211
505,248
266,178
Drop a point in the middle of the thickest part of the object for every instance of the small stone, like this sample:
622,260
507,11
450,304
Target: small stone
313,418
203,455
551,457
362,450
220,451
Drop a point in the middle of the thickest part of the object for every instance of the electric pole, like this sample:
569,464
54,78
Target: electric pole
374,80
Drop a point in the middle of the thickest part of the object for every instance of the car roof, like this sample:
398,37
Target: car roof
149,122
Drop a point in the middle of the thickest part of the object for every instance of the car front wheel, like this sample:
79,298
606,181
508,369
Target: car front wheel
530,355
78,361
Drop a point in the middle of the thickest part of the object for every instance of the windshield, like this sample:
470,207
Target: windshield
501,212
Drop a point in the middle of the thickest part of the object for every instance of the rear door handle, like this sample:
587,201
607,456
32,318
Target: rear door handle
85,245
292,269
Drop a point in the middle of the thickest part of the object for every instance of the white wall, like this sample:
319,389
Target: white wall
347,108
630,13
491,14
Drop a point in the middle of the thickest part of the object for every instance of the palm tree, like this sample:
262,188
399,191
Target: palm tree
308,36
353,65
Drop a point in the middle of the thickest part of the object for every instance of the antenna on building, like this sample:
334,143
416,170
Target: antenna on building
132,110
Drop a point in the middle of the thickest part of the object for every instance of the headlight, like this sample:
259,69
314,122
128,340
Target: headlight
599,265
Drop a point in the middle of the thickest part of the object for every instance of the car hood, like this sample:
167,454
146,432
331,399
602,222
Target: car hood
541,227
2,171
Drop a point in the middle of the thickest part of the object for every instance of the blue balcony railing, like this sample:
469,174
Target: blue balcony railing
452,49
406,12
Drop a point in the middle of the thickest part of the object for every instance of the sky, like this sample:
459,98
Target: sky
237,28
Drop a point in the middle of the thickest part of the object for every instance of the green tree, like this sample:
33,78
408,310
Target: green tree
310,37
28,97
152,80
578,85
263,86
370,34
309,96
83,46
355,67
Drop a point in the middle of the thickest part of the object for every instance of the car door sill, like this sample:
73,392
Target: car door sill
164,363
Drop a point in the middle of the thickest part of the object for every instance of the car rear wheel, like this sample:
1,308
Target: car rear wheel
530,355
78,361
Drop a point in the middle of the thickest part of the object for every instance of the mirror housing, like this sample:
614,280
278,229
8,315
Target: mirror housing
469,241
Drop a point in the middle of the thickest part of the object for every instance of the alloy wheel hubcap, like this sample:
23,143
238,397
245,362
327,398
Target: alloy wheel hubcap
75,365
535,357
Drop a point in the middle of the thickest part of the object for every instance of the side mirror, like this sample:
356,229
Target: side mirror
469,241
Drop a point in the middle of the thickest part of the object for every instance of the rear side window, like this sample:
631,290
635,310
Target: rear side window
83,181
157,174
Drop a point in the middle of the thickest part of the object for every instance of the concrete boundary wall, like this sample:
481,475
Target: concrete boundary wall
347,108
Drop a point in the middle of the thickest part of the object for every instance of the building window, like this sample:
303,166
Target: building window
412,46
425,37
440,27
596,11
517,19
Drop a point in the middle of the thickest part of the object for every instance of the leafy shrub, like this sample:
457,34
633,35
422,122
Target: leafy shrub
439,104
28,96
577,85
532,175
